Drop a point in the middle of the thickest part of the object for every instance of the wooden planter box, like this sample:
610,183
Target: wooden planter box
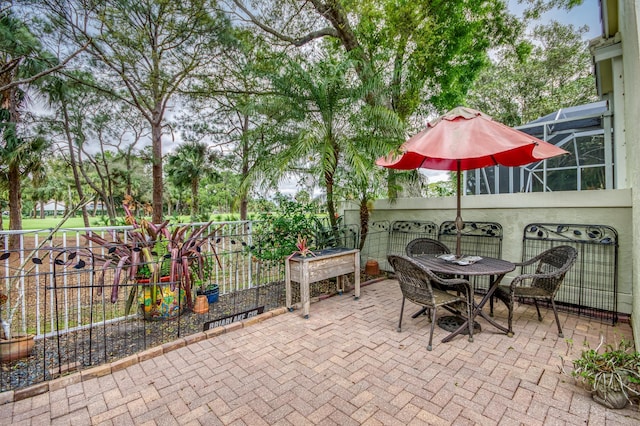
325,264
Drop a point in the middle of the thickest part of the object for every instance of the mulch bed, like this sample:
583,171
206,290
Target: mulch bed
57,355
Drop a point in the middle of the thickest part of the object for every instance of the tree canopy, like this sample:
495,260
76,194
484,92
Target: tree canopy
311,90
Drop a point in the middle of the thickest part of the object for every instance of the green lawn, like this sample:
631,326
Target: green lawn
76,222
52,222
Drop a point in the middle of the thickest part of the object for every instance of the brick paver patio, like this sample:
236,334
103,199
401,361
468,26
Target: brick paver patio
346,365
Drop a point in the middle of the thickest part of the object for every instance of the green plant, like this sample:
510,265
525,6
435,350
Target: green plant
615,369
152,251
277,232
204,273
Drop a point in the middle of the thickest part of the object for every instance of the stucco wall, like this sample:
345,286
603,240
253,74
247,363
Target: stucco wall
629,18
515,211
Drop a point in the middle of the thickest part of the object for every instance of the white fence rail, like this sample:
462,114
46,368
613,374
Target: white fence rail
26,287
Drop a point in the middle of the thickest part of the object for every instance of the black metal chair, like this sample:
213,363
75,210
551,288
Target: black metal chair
416,284
427,246
543,284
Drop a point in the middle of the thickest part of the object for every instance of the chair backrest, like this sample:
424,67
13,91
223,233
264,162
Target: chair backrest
554,262
415,281
427,246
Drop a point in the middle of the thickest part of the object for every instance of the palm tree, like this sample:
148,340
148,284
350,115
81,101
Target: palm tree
188,165
21,57
327,101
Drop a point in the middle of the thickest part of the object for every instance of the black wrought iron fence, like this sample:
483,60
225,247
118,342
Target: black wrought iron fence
591,286
376,245
403,231
58,295
63,298
482,239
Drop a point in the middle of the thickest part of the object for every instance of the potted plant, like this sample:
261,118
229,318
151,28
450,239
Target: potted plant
156,260
203,280
211,291
612,375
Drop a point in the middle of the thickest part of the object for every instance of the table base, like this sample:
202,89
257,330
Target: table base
452,323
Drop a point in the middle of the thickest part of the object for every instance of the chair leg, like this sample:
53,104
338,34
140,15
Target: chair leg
555,312
433,324
470,315
510,309
535,301
401,312
491,306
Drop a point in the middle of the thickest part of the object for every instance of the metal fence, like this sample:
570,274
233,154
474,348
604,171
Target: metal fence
403,231
591,286
55,287
51,285
376,246
482,239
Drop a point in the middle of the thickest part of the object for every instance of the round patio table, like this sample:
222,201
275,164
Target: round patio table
496,269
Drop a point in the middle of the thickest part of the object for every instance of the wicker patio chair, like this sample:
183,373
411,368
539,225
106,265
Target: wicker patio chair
544,283
427,246
416,285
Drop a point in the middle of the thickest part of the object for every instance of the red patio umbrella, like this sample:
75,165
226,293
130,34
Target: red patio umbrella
466,139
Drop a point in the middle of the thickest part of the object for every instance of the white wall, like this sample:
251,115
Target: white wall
515,211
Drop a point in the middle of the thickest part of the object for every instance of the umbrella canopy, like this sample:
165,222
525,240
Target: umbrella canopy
466,139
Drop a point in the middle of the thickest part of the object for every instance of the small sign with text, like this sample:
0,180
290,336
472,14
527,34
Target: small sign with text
209,325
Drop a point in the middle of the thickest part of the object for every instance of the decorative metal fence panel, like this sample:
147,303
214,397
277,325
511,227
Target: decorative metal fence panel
376,245
591,286
55,287
402,232
482,239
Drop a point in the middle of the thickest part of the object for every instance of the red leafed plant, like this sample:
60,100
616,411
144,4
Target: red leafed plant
303,248
153,250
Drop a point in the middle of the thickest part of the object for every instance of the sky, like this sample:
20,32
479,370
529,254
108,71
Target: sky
588,13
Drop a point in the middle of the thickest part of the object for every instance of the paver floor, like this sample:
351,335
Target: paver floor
346,365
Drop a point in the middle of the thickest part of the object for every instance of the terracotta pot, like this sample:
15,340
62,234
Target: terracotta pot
371,267
18,347
201,306
212,294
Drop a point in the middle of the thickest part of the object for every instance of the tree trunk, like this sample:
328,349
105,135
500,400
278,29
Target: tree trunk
194,198
364,221
156,135
74,163
331,209
328,179
245,168
15,204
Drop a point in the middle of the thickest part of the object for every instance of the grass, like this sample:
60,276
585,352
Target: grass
77,222
51,222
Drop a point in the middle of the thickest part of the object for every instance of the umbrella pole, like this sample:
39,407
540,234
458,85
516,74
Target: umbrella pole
459,223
